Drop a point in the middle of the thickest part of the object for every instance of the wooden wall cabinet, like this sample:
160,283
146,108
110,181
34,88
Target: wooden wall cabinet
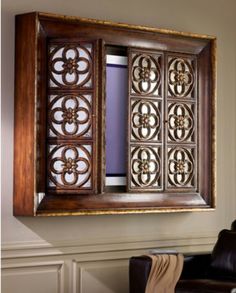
60,118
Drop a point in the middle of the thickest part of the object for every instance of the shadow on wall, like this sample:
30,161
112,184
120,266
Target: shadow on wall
108,228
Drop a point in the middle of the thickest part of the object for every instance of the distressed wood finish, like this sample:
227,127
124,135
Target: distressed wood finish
32,193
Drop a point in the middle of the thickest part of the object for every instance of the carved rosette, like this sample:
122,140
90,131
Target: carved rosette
181,78
181,123
145,167
69,166
70,65
146,74
145,120
181,167
70,115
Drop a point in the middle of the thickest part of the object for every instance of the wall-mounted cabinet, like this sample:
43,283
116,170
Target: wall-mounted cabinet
112,118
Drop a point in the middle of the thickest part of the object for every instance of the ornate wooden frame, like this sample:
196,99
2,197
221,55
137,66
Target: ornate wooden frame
33,32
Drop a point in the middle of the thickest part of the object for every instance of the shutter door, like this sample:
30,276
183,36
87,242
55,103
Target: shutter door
145,125
182,123
71,115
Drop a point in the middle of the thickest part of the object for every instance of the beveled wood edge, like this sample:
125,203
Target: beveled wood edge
213,138
61,17
46,209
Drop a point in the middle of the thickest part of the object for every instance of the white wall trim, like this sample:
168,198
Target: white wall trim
81,267
186,244
39,264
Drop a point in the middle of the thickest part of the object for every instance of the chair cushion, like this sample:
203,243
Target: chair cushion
224,256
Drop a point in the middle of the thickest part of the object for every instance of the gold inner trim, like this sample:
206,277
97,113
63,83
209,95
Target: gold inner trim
124,212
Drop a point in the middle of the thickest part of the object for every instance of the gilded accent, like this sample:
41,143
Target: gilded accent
124,212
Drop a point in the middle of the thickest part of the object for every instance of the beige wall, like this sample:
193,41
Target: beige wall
129,234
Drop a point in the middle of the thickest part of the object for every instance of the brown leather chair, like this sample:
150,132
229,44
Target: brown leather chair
202,273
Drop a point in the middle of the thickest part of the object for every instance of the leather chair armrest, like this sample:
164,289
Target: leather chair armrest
196,266
139,270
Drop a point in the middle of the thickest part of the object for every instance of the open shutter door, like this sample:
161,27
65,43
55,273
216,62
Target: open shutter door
145,121
71,128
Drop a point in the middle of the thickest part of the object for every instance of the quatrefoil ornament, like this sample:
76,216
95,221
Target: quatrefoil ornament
180,77
145,167
146,74
69,166
181,164
145,120
70,115
70,66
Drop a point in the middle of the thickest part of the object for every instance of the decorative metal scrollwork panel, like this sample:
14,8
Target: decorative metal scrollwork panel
181,167
181,77
70,65
69,166
70,115
145,120
145,74
181,122
146,167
